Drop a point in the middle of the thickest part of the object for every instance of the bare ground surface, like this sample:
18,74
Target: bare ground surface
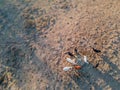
35,34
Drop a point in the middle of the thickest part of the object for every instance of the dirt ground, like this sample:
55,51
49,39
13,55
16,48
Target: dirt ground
36,34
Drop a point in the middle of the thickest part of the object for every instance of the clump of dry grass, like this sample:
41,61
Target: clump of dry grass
7,79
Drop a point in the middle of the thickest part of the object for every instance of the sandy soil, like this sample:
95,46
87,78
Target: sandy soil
36,34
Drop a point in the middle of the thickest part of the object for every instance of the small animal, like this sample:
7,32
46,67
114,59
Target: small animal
85,59
76,50
67,68
77,67
71,61
96,50
96,65
70,54
77,54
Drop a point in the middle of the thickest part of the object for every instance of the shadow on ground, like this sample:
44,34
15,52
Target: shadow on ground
90,76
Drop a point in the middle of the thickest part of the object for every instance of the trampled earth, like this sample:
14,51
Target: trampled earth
36,34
